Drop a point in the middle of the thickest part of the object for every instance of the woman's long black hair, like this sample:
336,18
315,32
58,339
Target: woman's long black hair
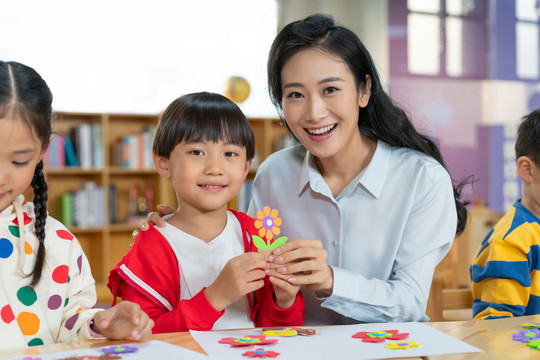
25,95
381,119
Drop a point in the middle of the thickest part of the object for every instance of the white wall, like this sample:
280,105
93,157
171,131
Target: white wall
136,56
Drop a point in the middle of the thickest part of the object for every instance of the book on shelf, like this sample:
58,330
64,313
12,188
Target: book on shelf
84,207
134,151
83,147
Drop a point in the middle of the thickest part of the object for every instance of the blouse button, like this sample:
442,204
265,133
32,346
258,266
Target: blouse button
335,243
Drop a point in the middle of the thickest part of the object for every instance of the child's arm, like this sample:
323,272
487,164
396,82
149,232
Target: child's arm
271,314
195,313
149,276
501,277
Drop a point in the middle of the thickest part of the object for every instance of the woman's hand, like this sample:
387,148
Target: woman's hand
156,217
122,321
303,262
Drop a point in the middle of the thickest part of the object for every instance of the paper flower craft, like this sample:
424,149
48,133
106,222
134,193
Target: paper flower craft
284,332
379,336
248,340
526,335
122,349
535,344
531,326
261,353
402,345
268,224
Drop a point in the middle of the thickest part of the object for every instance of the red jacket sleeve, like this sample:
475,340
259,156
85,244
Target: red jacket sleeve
265,312
149,276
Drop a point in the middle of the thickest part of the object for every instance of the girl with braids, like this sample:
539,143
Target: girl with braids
47,290
366,199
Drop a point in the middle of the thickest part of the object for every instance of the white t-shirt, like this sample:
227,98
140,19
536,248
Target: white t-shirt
201,262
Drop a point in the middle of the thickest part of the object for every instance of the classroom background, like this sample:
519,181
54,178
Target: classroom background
465,70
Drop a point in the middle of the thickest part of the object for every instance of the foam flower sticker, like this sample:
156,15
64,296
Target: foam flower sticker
402,345
531,326
248,340
380,335
121,349
526,335
261,353
268,224
535,344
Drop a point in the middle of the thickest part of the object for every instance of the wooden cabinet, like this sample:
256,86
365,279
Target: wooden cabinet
105,244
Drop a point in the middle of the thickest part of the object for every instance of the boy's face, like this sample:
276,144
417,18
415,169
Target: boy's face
205,175
19,154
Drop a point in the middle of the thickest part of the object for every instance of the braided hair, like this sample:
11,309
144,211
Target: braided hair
25,94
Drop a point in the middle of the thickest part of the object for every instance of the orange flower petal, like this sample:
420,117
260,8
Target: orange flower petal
260,215
276,230
258,224
262,232
277,221
274,213
266,210
269,235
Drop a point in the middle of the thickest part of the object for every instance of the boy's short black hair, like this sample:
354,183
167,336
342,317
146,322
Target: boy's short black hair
528,140
203,116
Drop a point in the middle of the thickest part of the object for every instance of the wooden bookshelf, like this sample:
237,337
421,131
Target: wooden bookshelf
105,245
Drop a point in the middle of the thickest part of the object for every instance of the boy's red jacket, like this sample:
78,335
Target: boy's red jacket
149,276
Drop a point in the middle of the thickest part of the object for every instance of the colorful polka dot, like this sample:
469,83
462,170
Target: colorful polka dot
54,302
66,302
6,248
27,248
64,234
28,323
7,314
70,323
35,342
27,295
79,263
26,219
14,230
60,274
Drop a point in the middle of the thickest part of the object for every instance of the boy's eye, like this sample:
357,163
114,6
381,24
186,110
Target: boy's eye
231,154
196,152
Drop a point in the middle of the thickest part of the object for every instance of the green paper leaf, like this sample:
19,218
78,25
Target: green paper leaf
259,242
278,242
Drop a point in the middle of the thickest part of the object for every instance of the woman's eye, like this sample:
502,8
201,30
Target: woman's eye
295,95
330,90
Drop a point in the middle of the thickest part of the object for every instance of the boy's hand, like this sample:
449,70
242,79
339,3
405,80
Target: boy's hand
284,291
240,276
125,320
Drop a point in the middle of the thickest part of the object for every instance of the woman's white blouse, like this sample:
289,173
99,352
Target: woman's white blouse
385,233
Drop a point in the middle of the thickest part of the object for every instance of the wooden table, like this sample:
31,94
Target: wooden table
493,336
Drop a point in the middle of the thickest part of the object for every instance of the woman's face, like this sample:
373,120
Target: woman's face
321,102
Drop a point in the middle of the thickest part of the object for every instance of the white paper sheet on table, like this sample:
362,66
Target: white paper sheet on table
336,342
147,350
